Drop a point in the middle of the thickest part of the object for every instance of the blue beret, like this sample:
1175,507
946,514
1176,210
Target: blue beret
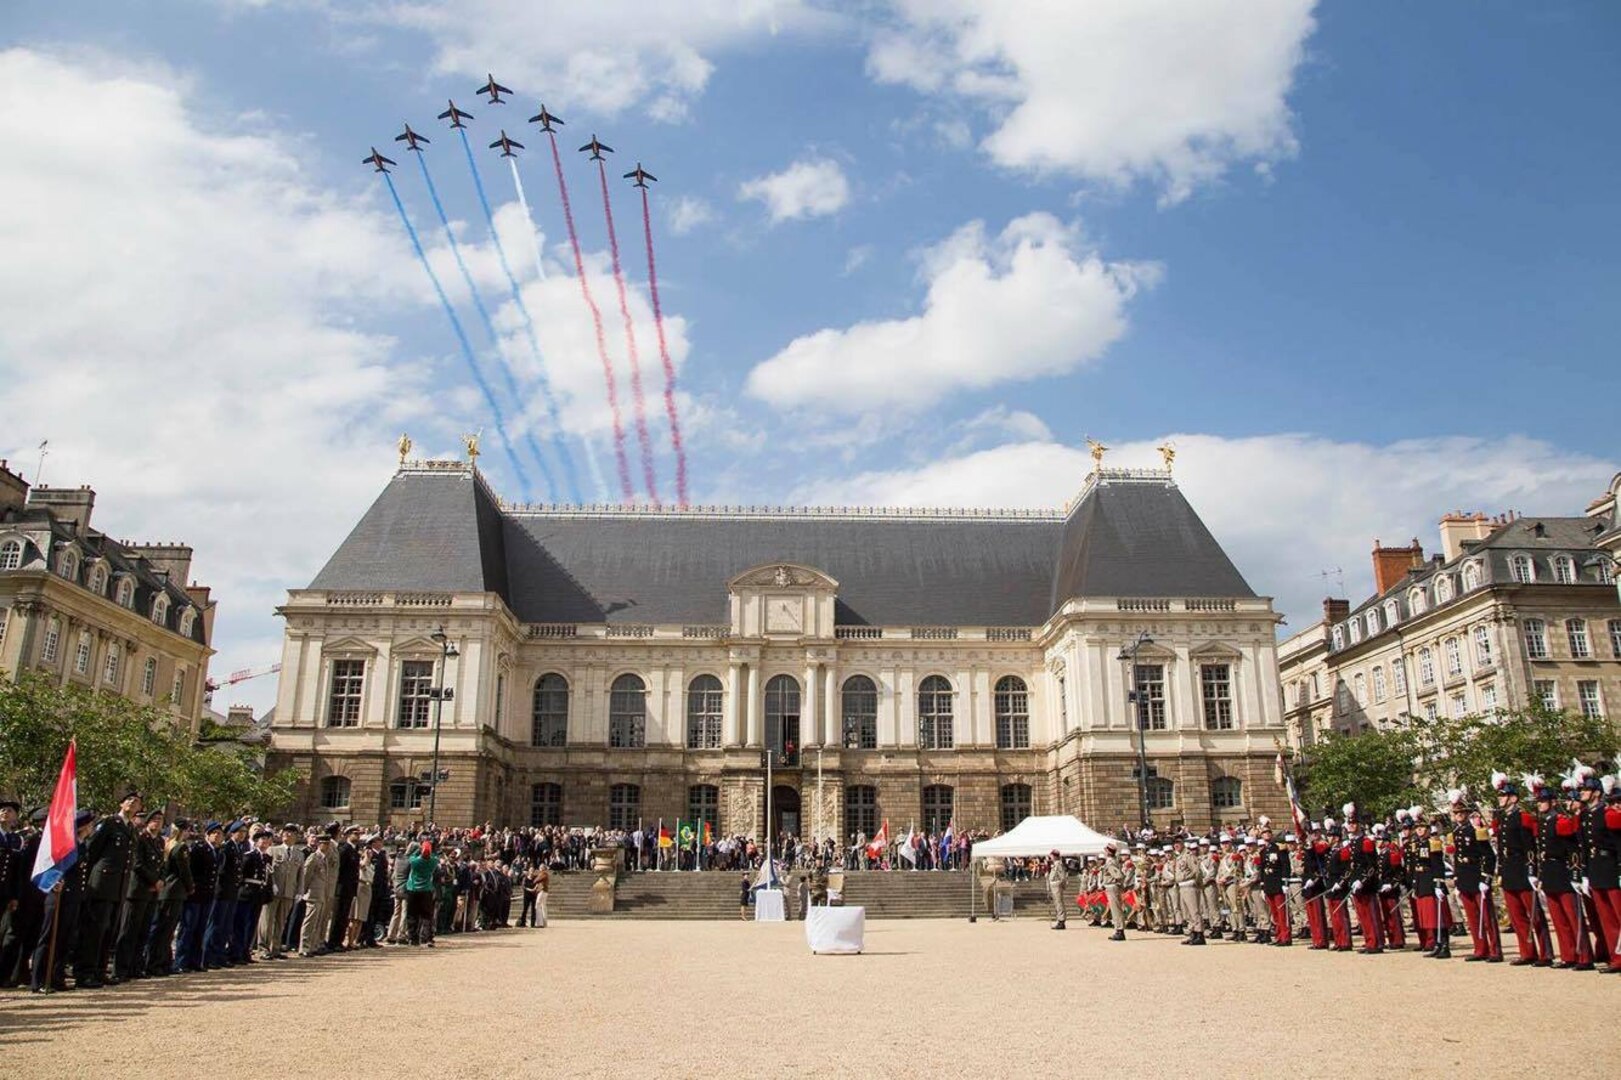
212,826
235,825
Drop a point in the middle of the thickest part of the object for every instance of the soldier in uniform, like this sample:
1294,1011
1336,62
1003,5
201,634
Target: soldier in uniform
202,854
1425,860
347,886
172,897
1341,875
1604,856
1112,877
1210,896
1057,879
1314,873
1584,787
1516,831
286,868
1558,832
108,852
1275,873
1171,899
252,896
1392,884
1364,886
227,884
13,874
1474,862
1227,878
1189,880
1253,894
59,935
320,870
140,899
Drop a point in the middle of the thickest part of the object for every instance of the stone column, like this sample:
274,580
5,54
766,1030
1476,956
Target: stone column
810,715
756,711
733,733
831,729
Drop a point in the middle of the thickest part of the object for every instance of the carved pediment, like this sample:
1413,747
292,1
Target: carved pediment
1216,651
782,576
348,646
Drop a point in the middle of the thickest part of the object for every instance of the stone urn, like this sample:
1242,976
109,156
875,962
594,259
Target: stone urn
605,864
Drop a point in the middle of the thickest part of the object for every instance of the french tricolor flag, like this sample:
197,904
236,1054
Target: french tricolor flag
58,848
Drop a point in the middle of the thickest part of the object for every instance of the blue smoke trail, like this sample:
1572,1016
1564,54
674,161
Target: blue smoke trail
558,444
461,337
489,325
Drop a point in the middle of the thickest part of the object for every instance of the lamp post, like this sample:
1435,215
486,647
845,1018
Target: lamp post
440,695
1140,722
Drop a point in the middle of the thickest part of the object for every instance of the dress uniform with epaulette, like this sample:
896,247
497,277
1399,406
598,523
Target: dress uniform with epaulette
108,852
60,934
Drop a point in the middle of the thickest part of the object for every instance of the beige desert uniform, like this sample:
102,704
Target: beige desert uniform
1057,878
1113,878
1171,907
286,878
320,884
1212,899
1252,888
1189,885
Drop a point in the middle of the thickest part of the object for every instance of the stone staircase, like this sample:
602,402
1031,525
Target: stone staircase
713,895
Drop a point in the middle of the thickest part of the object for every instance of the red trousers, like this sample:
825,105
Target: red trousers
1570,926
1279,907
1530,927
1390,908
1603,946
1339,916
1370,915
1481,915
1427,917
1608,903
1317,922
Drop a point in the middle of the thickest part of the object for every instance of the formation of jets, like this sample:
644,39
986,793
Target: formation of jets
506,144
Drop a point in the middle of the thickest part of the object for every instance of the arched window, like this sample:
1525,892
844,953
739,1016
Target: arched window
68,566
1564,569
1536,639
1392,613
1015,804
334,792
98,581
109,673
160,610
548,724
186,621
1576,634
125,594
1454,656
1226,792
861,810
624,800
545,804
705,701
1355,626
11,555
1161,793
1359,688
1012,714
627,713
1379,690
782,719
1443,589
1471,575
860,711
81,656
1483,646
149,676
934,714
703,804
1522,568
1415,601
1373,621
1426,667
53,639
937,808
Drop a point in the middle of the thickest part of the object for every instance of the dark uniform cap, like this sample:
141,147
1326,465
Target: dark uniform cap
236,826
153,814
13,803
212,826
84,817
38,816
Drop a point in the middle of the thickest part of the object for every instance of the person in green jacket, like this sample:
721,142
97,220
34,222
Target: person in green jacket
419,895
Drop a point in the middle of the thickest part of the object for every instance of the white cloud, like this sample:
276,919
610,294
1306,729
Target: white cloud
1285,507
810,187
1111,91
855,259
688,213
1029,302
605,56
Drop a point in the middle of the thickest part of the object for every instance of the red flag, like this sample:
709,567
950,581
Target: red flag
878,843
58,847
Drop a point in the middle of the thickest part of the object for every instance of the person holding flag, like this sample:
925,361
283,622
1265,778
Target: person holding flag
908,848
59,872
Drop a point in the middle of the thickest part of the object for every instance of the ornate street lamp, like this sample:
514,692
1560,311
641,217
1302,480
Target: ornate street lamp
439,695
1141,723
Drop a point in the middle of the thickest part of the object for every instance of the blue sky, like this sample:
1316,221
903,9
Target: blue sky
1357,260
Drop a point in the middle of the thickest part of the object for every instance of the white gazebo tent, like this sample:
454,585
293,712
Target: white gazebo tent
1035,837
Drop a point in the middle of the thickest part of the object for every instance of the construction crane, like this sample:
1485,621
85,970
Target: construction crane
242,675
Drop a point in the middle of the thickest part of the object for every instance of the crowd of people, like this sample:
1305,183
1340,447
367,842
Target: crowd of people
1549,855
146,898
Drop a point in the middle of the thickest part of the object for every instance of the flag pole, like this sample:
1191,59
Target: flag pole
50,953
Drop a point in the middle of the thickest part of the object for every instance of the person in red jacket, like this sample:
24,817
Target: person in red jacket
1474,863
1516,833
1392,883
1364,881
1600,894
1558,837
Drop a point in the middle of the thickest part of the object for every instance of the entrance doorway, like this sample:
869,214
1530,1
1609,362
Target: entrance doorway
784,812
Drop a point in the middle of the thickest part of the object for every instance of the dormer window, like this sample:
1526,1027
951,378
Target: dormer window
1339,637
125,596
1471,576
1443,589
160,610
11,555
1415,601
1373,622
98,581
185,622
1356,631
1564,570
1392,613
1522,569
68,565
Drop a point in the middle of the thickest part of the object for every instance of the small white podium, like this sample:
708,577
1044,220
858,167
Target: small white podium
836,929
768,906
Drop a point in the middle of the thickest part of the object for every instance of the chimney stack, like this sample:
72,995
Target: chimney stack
1391,564
1335,610
172,559
13,489
1459,528
65,504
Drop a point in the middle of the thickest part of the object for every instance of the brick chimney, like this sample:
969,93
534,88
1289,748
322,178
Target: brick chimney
1458,528
1335,610
1390,564
13,489
65,504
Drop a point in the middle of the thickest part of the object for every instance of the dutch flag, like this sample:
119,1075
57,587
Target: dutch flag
58,848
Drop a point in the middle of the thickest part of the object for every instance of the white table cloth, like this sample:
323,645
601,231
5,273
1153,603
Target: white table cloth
836,929
768,906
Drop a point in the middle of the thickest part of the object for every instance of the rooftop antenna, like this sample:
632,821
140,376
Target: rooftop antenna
1339,578
44,450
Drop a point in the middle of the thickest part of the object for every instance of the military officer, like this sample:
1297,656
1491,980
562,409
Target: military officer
1254,891
347,884
1209,896
1314,871
1604,858
1170,899
1516,832
320,872
1189,878
1112,876
13,875
202,854
1275,873
1057,879
1227,883
1392,884
227,884
109,851
172,897
59,936
1424,858
1556,853
286,872
140,899
1474,862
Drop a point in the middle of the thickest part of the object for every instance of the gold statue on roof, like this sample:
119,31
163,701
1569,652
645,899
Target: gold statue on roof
471,442
405,448
1098,450
1168,452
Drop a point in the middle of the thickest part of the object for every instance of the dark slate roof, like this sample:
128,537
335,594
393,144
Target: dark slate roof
427,532
442,530
1141,539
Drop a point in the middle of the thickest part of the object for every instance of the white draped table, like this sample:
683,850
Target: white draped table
836,929
768,906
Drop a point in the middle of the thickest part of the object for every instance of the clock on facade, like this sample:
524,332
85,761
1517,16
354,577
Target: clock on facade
784,615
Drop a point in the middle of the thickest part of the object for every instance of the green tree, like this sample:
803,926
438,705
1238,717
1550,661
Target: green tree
1465,751
1373,770
122,744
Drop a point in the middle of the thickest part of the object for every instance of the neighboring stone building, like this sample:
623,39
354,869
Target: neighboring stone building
1512,606
625,664
95,611
1605,512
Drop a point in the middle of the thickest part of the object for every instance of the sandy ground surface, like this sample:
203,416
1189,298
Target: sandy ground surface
933,998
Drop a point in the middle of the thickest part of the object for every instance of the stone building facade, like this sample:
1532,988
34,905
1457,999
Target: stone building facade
1511,607
90,610
920,667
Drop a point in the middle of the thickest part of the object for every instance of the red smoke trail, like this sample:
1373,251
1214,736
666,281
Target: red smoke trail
630,343
664,356
627,492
